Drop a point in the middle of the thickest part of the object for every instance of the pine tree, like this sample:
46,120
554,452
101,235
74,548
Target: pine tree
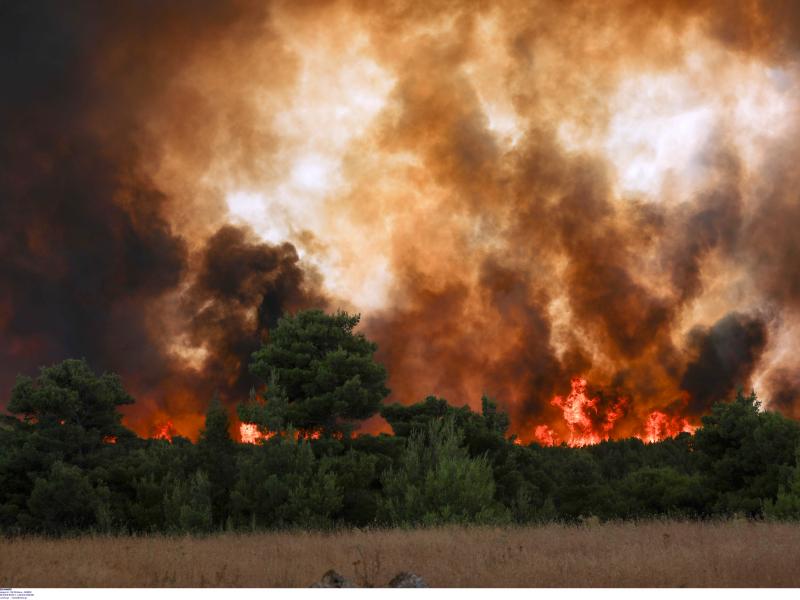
217,452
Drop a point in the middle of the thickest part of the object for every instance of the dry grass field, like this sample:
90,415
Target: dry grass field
651,554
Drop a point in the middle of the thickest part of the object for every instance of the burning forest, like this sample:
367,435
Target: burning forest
584,210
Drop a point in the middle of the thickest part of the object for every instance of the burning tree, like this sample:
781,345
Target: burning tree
321,373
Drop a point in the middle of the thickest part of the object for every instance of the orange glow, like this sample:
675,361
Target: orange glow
249,433
545,436
164,431
586,423
660,426
110,439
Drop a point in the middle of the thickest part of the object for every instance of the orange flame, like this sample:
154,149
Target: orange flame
660,426
249,433
164,431
581,414
110,439
545,436
589,423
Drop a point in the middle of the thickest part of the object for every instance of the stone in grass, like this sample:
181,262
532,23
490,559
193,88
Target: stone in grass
407,580
332,579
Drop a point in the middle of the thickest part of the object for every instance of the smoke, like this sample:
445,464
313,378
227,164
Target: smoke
725,355
514,195
93,260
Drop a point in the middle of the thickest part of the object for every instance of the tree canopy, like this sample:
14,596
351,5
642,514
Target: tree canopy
321,373
68,465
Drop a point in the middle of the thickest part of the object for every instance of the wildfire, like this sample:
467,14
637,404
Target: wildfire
545,436
660,426
249,433
165,431
587,425
110,439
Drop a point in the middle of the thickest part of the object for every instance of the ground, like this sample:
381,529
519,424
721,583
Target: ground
672,554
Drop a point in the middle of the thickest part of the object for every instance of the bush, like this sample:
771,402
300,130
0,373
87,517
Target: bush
436,482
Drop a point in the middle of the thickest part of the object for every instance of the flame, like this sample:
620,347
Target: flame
165,431
110,439
587,425
545,436
249,433
660,426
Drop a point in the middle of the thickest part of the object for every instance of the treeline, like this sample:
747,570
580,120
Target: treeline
68,465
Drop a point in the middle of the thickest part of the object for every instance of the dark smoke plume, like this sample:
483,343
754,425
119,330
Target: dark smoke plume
91,262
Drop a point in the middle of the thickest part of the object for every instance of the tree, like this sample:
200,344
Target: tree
187,504
482,432
437,482
71,394
787,504
745,454
63,501
325,370
282,483
217,451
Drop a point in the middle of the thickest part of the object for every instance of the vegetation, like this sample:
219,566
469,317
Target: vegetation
67,465
633,554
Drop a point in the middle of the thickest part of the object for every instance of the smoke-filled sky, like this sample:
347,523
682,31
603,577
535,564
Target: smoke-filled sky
512,194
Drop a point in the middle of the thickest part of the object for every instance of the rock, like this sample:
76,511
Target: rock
332,579
407,580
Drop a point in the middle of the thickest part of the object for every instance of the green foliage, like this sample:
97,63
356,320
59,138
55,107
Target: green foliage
187,504
653,491
282,483
436,481
216,451
787,504
444,464
745,455
325,372
70,393
63,501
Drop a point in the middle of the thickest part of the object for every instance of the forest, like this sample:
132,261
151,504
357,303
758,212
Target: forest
68,465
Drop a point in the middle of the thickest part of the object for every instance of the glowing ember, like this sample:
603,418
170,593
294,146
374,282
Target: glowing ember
660,426
164,431
110,439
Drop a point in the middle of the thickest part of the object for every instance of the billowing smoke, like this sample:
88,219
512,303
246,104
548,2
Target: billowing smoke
514,195
93,264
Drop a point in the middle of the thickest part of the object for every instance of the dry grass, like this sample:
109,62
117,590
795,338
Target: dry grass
651,554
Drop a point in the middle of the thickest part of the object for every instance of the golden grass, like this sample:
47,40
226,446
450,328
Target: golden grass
650,554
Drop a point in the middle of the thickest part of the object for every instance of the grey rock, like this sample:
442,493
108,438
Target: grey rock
332,579
407,580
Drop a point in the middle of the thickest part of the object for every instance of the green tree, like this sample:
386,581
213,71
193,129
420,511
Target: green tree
787,504
71,393
325,370
282,483
63,501
436,481
216,451
187,504
745,454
